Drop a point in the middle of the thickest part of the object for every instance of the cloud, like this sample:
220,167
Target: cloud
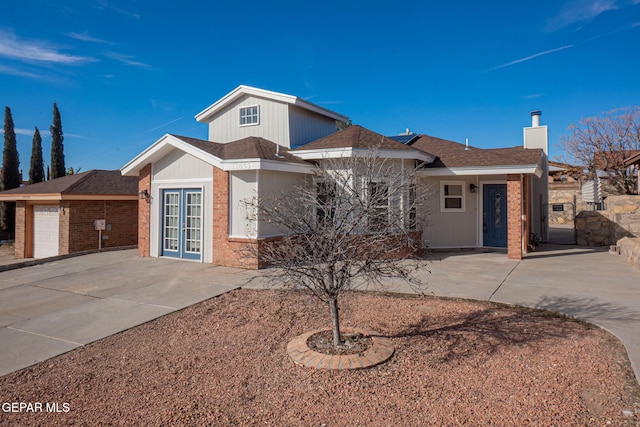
582,11
14,48
529,58
533,96
158,127
126,59
21,73
104,5
85,37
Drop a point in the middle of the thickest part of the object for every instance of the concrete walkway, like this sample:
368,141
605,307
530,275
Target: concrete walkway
51,308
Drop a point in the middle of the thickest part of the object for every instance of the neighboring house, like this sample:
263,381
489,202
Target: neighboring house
57,217
261,142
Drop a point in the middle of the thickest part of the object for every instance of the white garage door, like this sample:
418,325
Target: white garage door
45,231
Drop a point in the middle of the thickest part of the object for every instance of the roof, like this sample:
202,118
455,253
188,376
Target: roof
251,153
85,185
358,138
251,147
459,159
242,90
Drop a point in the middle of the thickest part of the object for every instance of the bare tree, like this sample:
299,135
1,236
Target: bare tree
351,226
602,143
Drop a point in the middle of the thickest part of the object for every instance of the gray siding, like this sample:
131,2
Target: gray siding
273,124
305,126
243,187
272,184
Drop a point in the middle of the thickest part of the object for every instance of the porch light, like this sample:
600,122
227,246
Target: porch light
144,195
472,188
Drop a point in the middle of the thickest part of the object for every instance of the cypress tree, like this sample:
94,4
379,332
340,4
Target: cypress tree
57,148
36,170
10,172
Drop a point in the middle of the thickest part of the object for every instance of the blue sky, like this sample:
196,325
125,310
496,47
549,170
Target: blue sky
125,72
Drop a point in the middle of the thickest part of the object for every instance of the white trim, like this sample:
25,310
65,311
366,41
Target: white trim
462,196
242,90
182,181
483,170
167,143
337,153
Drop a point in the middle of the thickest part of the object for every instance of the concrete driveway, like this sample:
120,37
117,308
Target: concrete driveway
51,308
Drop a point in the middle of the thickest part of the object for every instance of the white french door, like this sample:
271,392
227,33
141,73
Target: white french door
182,223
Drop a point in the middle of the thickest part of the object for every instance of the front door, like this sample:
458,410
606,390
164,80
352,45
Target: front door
182,223
494,215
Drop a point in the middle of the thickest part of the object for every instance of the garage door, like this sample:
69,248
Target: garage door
45,231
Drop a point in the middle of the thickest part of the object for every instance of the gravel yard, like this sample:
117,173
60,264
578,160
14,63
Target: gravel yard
224,362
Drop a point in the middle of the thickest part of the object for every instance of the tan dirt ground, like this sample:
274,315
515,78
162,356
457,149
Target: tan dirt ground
223,362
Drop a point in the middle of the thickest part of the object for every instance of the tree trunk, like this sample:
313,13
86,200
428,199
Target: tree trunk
335,320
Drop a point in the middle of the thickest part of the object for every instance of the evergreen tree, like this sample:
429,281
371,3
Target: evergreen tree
10,172
36,170
57,148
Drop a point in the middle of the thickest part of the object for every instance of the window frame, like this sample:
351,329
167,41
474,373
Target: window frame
371,222
444,197
256,115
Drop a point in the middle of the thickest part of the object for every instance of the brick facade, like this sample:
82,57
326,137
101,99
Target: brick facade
20,244
144,213
231,252
514,216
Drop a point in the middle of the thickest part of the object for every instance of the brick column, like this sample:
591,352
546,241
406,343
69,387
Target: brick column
514,216
144,213
20,245
220,216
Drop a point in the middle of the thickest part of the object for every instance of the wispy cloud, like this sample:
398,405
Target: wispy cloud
36,50
126,59
85,37
579,11
105,5
21,73
159,127
533,96
529,58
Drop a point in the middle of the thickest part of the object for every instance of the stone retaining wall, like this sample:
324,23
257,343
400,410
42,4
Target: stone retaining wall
618,224
629,248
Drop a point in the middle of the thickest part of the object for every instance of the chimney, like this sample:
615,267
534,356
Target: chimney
535,118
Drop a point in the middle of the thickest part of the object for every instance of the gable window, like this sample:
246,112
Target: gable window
452,196
249,115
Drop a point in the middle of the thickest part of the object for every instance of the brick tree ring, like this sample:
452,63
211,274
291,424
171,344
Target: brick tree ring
380,351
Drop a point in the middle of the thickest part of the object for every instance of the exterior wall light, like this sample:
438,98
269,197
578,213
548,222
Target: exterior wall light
144,195
472,188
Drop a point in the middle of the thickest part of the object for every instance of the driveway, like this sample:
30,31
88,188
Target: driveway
51,308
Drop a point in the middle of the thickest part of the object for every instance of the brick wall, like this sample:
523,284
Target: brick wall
64,218
514,217
20,245
144,213
121,220
229,252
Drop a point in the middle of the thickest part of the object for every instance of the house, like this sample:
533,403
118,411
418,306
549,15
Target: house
90,210
260,142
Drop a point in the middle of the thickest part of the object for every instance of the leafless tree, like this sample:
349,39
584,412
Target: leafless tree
351,226
602,143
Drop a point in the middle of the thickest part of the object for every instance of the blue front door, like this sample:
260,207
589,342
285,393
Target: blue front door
494,217
182,223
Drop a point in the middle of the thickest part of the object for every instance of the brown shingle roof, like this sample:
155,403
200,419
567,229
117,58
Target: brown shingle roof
90,182
354,137
251,147
453,154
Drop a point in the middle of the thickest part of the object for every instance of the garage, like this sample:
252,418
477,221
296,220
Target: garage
45,231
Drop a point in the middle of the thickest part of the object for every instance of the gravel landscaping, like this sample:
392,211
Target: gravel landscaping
224,362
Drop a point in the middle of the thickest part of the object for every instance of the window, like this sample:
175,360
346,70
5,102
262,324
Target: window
249,115
325,202
451,196
413,217
378,195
